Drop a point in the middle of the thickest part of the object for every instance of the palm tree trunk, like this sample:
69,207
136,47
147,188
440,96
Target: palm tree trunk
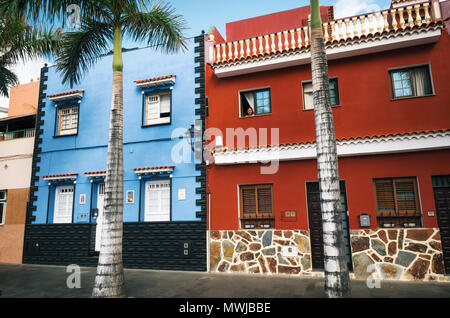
109,281
335,264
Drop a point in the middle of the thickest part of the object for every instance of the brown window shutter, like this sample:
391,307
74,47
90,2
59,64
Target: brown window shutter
265,199
248,196
385,197
407,199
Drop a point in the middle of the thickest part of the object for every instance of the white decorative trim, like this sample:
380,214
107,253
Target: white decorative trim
345,148
335,50
154,171
78,95
97,175
162,82
60,178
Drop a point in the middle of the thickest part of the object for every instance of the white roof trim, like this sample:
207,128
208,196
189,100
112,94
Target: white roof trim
345,148
78,95
60,178
97,175
154,171
162,82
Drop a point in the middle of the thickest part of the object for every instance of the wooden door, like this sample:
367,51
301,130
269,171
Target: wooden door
315,224
442,197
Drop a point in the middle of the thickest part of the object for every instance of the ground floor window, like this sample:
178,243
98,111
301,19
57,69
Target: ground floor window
63,205
397,202
256,206
2,206
157,201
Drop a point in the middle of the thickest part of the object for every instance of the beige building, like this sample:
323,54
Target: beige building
16,152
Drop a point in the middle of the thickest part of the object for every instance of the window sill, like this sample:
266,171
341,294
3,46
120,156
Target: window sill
312,109
411,97
253,116
156,125
60,136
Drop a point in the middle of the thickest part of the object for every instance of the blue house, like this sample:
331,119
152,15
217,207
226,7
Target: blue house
164,177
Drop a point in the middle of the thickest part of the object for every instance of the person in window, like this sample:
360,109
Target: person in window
250,111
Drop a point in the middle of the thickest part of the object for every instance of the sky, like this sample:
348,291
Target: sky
202,14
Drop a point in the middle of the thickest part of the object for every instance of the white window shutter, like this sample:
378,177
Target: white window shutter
153,104
63,204
157,201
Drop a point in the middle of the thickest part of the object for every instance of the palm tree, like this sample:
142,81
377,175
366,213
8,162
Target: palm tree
19,42
337,282
104,23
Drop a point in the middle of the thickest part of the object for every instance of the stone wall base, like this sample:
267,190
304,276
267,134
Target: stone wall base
398,254
394,254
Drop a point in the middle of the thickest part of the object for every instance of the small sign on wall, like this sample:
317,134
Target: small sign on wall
130,196
181,194
83,198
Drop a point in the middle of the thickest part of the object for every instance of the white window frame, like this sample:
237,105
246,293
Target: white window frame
310,82
408,67
160,216
160,120
254,90
3,218
72,130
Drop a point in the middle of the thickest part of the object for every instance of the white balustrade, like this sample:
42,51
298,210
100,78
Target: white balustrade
369,24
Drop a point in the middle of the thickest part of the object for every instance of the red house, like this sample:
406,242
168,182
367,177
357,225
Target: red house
389,76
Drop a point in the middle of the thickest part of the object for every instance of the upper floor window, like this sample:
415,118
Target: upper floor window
255,102
397,202
68,120
157,109
256,206
2,207
411,81
308,94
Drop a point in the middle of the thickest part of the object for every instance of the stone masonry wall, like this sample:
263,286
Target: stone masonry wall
260,252
398,254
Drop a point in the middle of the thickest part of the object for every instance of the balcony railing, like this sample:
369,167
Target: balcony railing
365,25
10,135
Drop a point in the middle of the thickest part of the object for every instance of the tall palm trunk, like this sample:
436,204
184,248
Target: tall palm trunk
335,264
109,281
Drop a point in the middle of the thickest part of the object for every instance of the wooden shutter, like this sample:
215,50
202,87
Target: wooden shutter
264,199
406,197
384,190
248,199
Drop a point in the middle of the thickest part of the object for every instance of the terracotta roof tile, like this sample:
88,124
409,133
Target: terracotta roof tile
61,175
154,168
66,93
154,79
94,172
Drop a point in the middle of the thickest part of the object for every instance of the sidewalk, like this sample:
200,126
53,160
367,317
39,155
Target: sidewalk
50,281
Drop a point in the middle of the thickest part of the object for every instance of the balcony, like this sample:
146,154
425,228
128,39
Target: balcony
364,34
10,135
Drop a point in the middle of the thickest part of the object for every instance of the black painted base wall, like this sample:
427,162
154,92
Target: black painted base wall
145,245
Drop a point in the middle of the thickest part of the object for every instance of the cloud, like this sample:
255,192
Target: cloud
348,8
25,71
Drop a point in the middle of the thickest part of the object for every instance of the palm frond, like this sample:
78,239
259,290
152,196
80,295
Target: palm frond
160,26
50,11
33,43
79,50
7,78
